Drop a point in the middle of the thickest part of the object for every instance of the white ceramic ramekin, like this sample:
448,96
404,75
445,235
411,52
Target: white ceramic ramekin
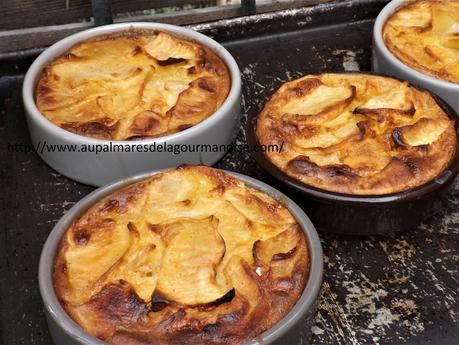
103,167
385,62
294,328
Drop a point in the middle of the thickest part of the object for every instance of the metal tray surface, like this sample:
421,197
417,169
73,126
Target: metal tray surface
396,290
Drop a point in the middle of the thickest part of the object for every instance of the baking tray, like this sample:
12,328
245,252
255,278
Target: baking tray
400,290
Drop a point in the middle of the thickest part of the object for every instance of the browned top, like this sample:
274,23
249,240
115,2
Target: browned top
425,36
134,84
357,133
189,256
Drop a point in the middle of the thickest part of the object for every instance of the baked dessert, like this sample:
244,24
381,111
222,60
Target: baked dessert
425,36
356,133
132,84
188,256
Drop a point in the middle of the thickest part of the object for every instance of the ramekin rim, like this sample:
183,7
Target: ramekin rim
378,40
304,304
53,51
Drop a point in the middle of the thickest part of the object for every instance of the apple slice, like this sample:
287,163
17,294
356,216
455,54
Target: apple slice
164,47
425,131
188,272
321,104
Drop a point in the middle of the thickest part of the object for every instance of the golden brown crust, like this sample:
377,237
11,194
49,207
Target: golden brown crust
189,256
357,133
425,36
135,84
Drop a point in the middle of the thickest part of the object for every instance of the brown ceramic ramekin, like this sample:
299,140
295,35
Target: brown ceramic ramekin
363,214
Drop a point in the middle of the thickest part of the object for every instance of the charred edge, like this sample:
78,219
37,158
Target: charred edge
373,113
305,87
226,298
397,137
159,302
204,85
183,127
379,112
132,228
412,166
341,170
92,128
171,61
365,129
284,285
81,236
139,137
110,205
284,256
137,50
119,301
204,62
156,228
302,165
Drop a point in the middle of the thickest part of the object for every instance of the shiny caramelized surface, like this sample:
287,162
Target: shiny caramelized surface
357,133
135,84
425,36
189,256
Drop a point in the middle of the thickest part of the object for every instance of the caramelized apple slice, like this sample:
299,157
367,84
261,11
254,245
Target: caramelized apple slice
238,272
106,245
395,102
323,103
278,247
164,46
443,19
452,42
140,265
425,131
253,207
188,272
123,96
194,103
419,19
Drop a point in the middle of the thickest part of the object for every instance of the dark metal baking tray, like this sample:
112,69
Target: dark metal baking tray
400,290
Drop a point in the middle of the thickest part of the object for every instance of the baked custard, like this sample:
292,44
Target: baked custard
425,36
356,133
188,256
133,84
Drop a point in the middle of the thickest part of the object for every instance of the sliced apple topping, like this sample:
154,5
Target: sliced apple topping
164,46
424,132
188,271
278,247
242,278
443,19
420,19
394,102
106,245
323,103
194,103
140,264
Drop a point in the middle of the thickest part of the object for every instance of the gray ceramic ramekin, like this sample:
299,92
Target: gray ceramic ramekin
385,62
294,328
101,168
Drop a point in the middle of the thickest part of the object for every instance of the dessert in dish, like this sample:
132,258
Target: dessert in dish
132,84
425,36
357,133
188,256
